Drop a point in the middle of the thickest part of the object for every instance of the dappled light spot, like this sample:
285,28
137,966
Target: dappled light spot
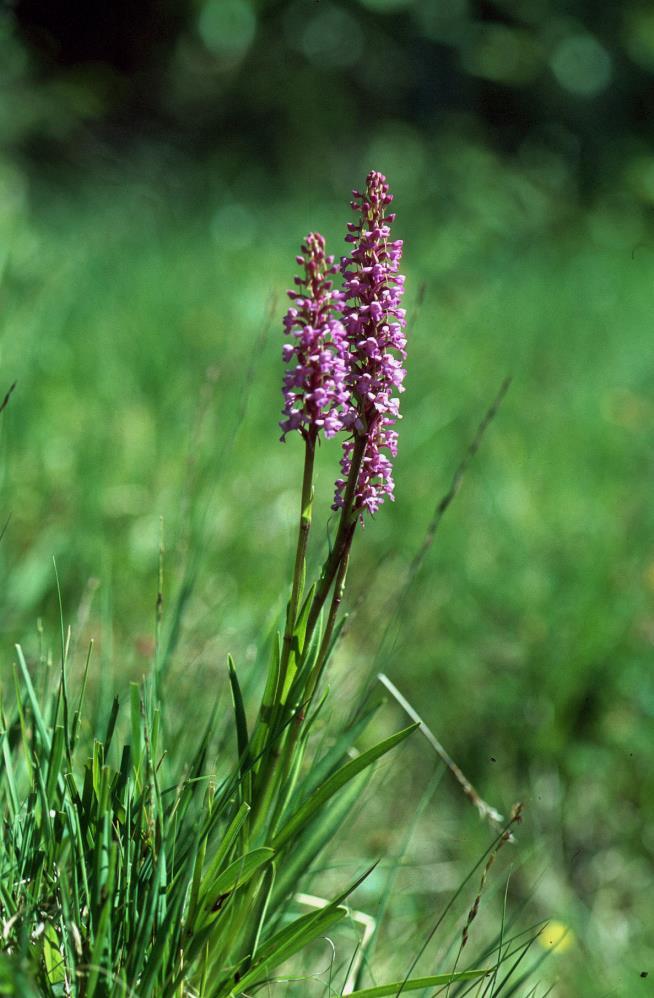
502,54
444,21
581,65
227,27
233,225
332,38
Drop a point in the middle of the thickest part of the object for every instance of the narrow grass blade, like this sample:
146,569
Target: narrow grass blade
485,810
331,786
416,983
242,738
240,871
320,831
31,695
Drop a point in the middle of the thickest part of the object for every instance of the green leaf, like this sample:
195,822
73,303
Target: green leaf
97,965
315,837
78,713
135,711
323,767
289,942
240,871
303,617
198,862
242,738
54,763
111,725
262,906
54,962
31,696
138,950
266,710
223,850
162,943
332,785
9,777
272,679
416,983
298,652
294,937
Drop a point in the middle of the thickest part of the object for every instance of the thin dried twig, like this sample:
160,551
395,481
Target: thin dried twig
486,811
516,818
457,479
397,601
506,836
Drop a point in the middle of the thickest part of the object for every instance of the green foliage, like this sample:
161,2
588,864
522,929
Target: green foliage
526,640
115,879
127,870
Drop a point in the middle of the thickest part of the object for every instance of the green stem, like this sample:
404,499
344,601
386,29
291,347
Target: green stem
325,644
285,783
343,538
269,772
335,567
306,504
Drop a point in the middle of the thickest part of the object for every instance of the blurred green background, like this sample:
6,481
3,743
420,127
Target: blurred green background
160,163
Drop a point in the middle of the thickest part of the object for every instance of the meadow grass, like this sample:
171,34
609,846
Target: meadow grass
146,361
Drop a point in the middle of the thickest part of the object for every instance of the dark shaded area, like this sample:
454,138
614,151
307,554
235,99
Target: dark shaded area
131,38
567,83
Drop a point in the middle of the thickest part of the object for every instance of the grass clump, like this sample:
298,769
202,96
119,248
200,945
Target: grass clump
132,865
125,869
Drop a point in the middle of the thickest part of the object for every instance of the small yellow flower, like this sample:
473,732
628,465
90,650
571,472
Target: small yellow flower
556,936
